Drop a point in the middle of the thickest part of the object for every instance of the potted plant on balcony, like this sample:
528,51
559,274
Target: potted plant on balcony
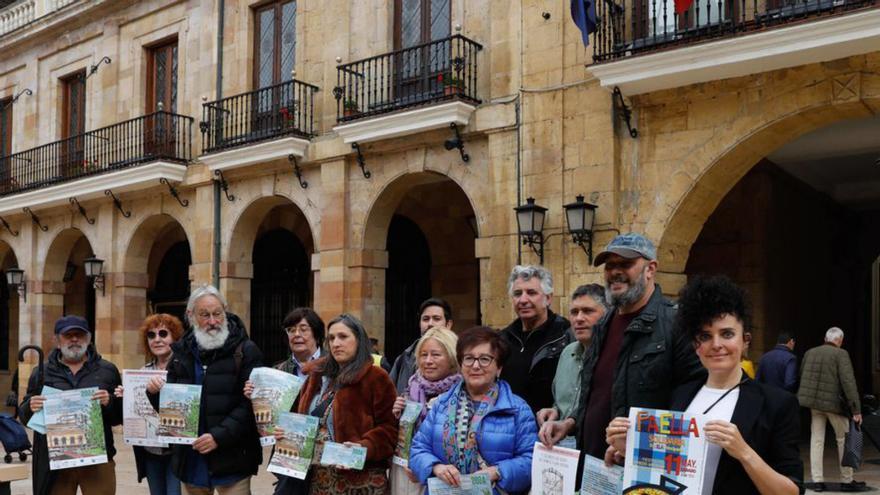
350,108
289,114
451,84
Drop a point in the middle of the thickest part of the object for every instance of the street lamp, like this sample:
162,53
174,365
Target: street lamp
530,223
95,271
580,217
15,279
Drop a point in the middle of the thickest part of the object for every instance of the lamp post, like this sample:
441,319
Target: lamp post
95,271
580,217
530,223
15,280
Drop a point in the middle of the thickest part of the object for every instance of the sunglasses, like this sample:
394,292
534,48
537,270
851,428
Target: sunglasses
162,334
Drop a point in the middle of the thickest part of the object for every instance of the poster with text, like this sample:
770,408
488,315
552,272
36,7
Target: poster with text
554,470
38,420
179,413
140,422
599,479
337,454
74,429
665,453
274,393
471,484
294,453
405,432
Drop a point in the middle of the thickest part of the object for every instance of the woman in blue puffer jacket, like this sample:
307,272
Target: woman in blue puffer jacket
478,426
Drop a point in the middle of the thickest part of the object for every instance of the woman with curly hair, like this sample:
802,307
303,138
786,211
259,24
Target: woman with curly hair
752,429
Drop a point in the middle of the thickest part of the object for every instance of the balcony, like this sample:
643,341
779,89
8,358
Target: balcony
643,45
125,156
416,89
262,125
16,14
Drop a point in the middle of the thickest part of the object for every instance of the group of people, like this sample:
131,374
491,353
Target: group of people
487,396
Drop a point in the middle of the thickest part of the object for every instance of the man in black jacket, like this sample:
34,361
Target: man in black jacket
74,364
218,355
536,338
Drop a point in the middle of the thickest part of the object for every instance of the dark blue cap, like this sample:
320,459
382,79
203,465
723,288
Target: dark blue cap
71,322
629,245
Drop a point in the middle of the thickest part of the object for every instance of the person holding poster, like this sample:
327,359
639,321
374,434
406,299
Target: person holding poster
157,332
437,372
74,364
479,425
752,429
305,337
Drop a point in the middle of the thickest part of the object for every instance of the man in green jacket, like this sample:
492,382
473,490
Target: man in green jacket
828,388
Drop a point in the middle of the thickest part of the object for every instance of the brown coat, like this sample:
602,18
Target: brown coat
361,411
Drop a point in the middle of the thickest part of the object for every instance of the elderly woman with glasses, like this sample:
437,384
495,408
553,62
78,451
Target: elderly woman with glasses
479,425
158,332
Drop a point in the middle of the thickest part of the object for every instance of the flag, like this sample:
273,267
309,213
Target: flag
583,12
682,6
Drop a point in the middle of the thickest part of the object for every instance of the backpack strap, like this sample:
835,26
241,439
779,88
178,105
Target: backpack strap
238,357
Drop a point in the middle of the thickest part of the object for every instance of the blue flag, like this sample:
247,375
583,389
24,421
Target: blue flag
583,12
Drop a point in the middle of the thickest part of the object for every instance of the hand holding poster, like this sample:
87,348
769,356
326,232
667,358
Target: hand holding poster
665,453
179,413
293,454
274,393
38,420
140,422
599,479
337,454
471,484
74,429
405,432
554,470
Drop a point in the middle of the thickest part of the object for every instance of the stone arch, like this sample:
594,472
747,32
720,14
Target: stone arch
246,225
59,252
143,239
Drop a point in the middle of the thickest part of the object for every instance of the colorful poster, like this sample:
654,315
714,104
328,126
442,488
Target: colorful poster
294,453
179,413
471,484
599,479
408,420
140,422
74,429
665,453
554,470
274,393
337,454
38,420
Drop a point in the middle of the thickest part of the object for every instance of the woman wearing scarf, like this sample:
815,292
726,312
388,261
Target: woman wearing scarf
437,373
479,425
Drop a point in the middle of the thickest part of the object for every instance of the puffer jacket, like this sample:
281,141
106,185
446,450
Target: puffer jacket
827,379
506,438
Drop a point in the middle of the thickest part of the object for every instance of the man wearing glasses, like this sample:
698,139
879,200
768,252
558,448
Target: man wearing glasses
305,336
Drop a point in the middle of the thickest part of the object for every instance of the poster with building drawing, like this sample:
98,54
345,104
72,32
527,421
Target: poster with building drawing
179,413
405,432
74,429
274,393
294,453
140,422
471,484
554,470
38,420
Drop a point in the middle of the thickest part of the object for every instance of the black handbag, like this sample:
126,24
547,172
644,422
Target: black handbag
852,447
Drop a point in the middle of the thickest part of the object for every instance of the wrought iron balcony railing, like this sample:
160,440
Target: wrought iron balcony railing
158,136
285,109
630,27
433,72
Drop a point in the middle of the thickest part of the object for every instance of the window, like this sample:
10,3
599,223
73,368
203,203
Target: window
421,21
5,126
73,115
162,77
417,22
275,43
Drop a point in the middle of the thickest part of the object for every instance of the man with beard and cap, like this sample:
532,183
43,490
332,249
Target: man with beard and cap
218,355
74,364
637,356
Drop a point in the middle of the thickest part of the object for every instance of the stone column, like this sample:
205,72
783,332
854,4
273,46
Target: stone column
129,310
331,285
235,284
366,289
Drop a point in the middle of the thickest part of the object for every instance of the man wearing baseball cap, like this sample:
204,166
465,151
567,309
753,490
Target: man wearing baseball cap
74,364
637,358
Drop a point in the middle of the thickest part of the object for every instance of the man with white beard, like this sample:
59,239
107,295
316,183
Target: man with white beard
218,355
74,364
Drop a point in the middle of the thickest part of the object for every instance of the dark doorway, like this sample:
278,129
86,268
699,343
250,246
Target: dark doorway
171,289
281,282
407,283
4,322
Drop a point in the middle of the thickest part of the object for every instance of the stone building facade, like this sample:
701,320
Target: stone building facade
263,192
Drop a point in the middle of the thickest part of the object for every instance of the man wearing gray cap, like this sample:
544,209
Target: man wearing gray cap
636,358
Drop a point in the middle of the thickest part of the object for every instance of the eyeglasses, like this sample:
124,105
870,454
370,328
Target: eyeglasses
484,360
216,315
301,329
163,334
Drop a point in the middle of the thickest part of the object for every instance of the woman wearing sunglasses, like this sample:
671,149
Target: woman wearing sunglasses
158,332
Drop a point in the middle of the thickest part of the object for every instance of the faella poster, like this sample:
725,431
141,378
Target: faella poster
405,432
665,453
140,422
179,413
274,393
74,429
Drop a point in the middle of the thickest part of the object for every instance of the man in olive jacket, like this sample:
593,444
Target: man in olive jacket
828,388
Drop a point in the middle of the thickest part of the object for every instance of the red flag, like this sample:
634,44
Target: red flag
682,6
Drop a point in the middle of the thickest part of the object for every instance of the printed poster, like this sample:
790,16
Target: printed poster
471,484
179,413
337,454
599,479
140,422
38,419
554,470
665,453
408,420
274,393
294,453
74,429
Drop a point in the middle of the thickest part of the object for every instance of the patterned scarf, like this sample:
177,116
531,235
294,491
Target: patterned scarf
420,389
460,435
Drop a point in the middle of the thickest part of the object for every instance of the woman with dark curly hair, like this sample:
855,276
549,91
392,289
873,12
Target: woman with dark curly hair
752,429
